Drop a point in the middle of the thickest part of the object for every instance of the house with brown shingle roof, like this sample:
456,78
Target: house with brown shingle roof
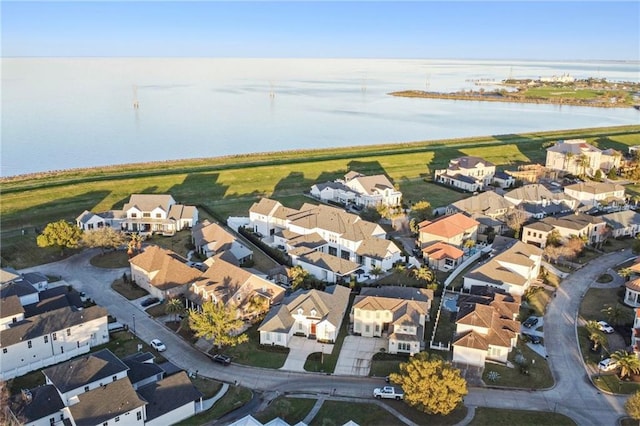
226,283
574,225
397,313
453,229
467,173
329,242
442,256
163,273
486,331
157,213
211,239
488,208
512,270
597,194
313,314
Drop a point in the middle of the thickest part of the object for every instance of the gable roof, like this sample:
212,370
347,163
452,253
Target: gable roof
468,162
498,271
105,402
168,394
373,184
574,146
7,275
44,402
18,288
576,222
264,206
138,367
484,203
206,232
10,306
448,226
397,292
180,211
170,269
326,261
148,202
441,250
377,248
595,187
80,371
622,219
49,322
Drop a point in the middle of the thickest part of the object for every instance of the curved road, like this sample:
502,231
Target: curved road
573,394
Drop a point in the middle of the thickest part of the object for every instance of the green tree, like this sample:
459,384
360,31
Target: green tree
218,323
174,307
617,314
376,271
257,306
60,234
613,173
421,211
554,238
370,214
598,175
425,274
430,384
632,406
298,276
596,336
628,363
625,273
515,218
135,244
103,238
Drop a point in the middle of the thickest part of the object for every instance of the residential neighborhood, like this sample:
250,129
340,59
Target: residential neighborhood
462,285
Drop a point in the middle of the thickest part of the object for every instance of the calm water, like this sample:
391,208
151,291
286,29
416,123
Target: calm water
65,113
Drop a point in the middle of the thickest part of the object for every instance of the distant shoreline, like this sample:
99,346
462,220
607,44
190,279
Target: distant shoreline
496,97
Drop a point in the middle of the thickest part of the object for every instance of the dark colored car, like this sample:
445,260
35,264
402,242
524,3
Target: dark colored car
536,340
530,322
222,359
150,301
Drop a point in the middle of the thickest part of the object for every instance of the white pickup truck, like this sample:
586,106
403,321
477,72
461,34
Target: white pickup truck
388,392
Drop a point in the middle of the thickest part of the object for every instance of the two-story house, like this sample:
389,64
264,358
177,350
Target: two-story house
624,223
453,229
157,213
577,157
467,173
397,313
358,189
313,314
592,228
597,194
488,208
538,201
513,270
211,239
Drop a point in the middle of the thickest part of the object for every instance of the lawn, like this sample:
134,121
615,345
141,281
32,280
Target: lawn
179,243
596,299
384,364
229,184
338,413
256,355
111,260
420,418
129,290
208,387
235,397
291,410
611,383
538,377
501,417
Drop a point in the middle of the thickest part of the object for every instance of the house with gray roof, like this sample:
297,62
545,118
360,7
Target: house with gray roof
624,223
577,157
513,270
211,239
597,194
38,406
398,314
157,213
89,221
358,189
593,228
467,173
142,370
538,201
313,314
170,400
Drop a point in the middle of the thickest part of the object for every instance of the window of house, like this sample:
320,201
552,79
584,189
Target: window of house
117,419
299,326
46,339
105,424
86,388
68,332
158,216
402,346
29,345
114,378
313,312
377,328
55,337
134,215
366,328
52,421
377,314
139,415
300,311
4,350
345,254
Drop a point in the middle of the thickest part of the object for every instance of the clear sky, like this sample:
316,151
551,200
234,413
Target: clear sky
553,30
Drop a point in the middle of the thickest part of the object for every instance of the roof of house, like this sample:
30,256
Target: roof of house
212,234
170,269
85,369
536,193
10,306
349,226
500,330
329,305
105,402
139,367
377,248
148,202
440,250
622,219
264,206
327,262
7,275
18,288
576,222
498,269
448,226
168,394
397,292
49,322
462,178
633,285
37,403
485,203
404,312
333,185
595,187
539,226
373,184
52,299
574,146
180,211
309,241
468,162
85,216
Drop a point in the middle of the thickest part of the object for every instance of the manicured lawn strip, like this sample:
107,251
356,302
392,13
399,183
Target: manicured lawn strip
235,397
129,290
208,387
539,376
157,310
338,413
589,357
178,243
611,383
384,364
420,418
595,300
497,417
538,301
291,410
111,260
256,355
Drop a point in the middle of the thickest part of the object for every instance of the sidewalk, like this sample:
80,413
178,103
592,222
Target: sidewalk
208,403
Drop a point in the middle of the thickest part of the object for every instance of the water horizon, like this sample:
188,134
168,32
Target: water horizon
67,113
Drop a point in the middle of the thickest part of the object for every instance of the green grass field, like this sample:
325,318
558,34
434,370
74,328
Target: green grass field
228,186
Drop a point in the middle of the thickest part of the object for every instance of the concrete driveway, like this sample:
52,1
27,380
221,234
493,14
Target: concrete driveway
299,350
356,354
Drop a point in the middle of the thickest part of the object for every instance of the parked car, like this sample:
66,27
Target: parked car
605,327
607,364
388,392
222,359
536,340
530,322
158,345
149,301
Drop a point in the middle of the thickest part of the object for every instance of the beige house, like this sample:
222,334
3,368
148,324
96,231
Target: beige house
163,273
538,201
442,256
486,331
593,228
211,239
597,194
625,223
453,229
398,313
466,173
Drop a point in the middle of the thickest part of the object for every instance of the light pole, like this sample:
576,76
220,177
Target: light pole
134,324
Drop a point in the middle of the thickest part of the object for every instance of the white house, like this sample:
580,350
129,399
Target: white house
635,333
538,201
577,157
211,239
51,337
467,173
597,194
372,190
592,228
157,213
624,223
313,314
513,270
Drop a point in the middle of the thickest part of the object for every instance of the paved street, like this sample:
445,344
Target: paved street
572,395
